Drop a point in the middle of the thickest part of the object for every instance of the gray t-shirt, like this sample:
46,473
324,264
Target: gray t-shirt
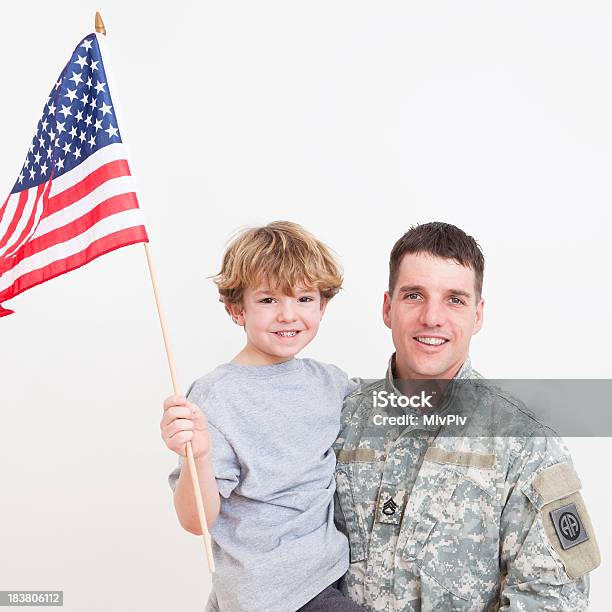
272,428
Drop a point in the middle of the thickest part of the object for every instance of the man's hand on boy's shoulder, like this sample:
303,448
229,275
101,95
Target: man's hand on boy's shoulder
184,422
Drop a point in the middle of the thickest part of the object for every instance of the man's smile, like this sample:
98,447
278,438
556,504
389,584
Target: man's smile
431,343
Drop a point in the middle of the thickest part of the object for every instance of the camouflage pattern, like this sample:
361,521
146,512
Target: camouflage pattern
430,535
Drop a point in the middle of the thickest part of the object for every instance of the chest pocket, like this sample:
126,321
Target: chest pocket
357,481
453,539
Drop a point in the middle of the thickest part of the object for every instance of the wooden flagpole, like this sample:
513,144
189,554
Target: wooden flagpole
101,29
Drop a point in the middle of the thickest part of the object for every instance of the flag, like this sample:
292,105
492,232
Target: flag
74,199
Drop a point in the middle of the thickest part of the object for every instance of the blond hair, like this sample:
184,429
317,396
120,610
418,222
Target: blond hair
281,254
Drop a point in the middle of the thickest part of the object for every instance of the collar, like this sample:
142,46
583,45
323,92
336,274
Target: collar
465,371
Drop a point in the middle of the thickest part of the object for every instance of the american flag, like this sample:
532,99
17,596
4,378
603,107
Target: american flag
74,199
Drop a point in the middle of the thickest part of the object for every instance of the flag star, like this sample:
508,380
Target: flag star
98,124
43,169
66,148
111,131
81,61
51,135
45,123
73,131
92,140
94,65
41,141
86,45
100,87
21,177
31,148
88,82
57,84
79,116
105,109
31,173
77,153
92,103
65,111
88,120
37,158
52,109
85,98
60,127
82,136
49,152
71,93
27,163
60,164
76,77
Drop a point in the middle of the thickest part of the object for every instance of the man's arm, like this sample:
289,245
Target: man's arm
547,543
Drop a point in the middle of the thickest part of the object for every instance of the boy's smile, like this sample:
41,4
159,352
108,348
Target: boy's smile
287,333
277,325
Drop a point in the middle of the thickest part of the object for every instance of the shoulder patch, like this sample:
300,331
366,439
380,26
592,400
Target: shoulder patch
570,529
570,532
565,518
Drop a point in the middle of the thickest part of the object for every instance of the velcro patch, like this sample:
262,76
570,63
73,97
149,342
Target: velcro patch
464,458
556,481
357,455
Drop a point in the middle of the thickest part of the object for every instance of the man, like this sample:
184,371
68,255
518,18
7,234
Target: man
441,520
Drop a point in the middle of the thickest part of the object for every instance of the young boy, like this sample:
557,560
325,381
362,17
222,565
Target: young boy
263,450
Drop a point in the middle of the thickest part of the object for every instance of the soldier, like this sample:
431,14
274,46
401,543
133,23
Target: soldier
454,522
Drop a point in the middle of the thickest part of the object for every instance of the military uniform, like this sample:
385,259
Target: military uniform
462,522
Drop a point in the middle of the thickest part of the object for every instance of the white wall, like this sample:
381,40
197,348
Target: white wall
355,119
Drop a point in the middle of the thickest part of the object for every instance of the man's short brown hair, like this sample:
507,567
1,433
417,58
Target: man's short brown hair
282,255
439,240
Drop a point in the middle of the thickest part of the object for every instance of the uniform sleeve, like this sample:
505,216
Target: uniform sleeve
547,541
225,462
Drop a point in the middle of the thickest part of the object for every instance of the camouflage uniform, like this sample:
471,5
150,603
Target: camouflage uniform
458,523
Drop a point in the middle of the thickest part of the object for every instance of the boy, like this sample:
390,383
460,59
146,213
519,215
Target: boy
263,450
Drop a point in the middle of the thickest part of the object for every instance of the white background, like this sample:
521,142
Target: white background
356,119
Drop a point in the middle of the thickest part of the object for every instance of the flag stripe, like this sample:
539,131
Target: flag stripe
98,159
28,221
21,203
122,220
3,209
95,249
115,204
124,184
9,228
9,217
84,187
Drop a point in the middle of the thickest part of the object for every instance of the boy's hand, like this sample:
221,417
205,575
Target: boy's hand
183,422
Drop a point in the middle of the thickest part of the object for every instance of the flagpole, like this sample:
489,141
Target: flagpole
101,29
